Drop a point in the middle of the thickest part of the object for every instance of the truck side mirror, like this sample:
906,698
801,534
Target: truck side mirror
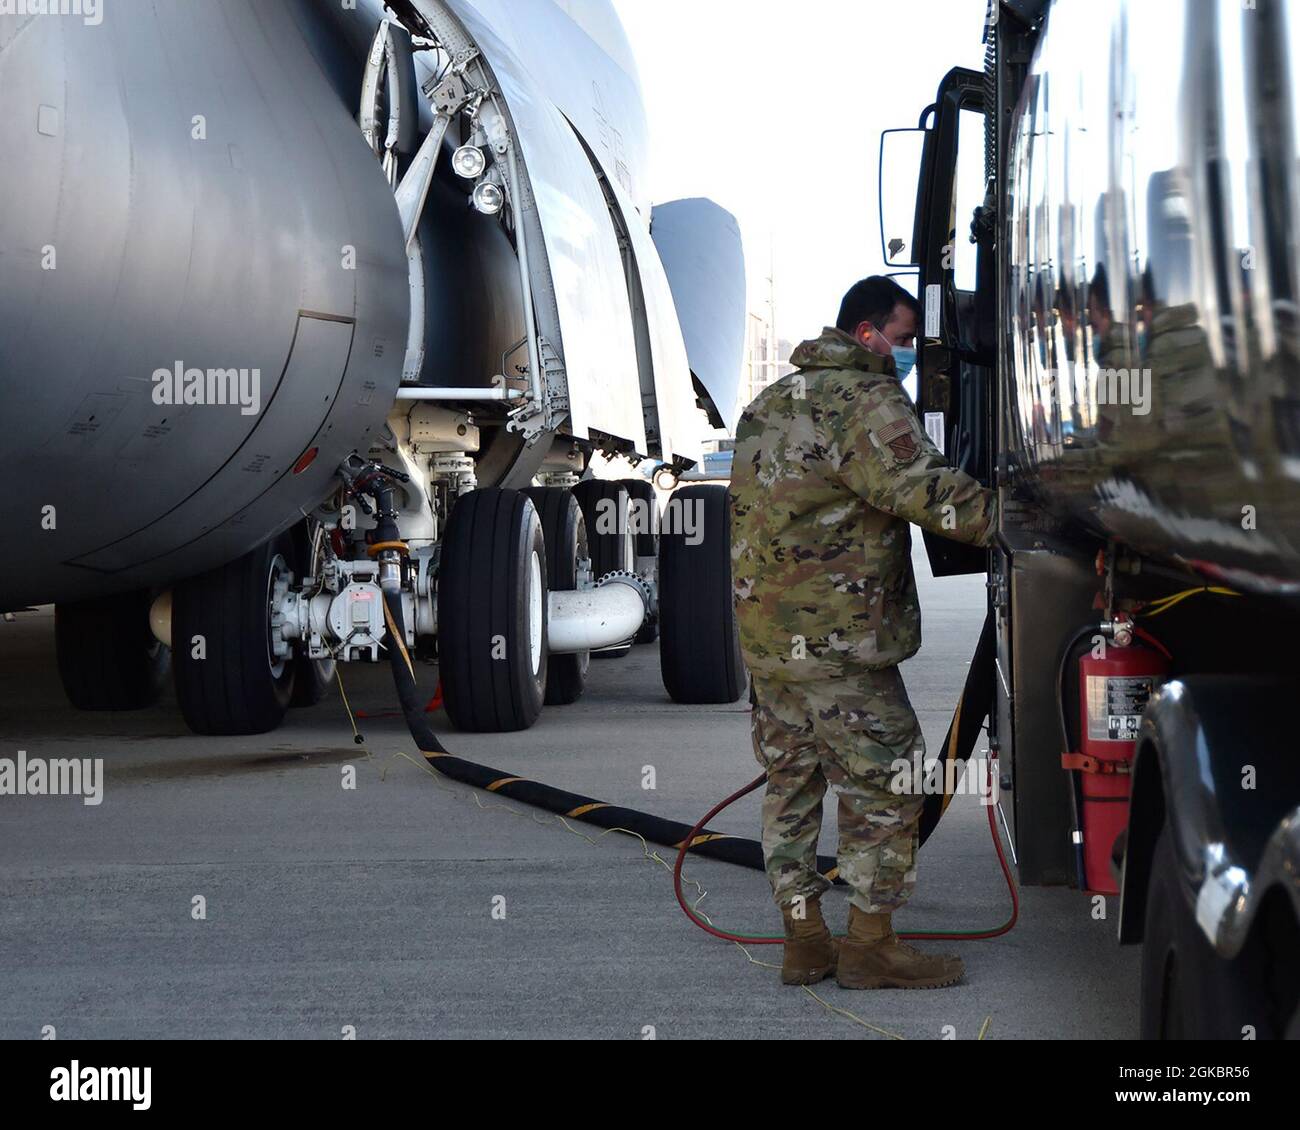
901,155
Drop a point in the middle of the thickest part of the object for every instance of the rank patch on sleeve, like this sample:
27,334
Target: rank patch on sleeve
898,438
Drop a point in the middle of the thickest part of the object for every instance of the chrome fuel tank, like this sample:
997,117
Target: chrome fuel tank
1152,281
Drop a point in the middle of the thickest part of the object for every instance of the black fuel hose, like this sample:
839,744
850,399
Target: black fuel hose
574,806
967,722
1072,778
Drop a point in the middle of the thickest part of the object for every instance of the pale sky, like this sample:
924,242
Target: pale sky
774,109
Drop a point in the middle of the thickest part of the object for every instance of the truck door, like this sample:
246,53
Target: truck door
956,282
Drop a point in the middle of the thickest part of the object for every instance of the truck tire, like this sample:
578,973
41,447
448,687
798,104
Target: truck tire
604,505
234,684
699,648
107,656
492,612
645,501
1188,991
565,533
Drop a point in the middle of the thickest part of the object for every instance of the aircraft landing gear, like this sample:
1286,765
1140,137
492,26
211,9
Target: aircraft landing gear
480,586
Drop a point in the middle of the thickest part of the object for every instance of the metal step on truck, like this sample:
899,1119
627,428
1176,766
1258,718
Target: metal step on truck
1104,228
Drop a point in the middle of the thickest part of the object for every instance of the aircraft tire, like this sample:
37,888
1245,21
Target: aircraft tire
492,612
227,680
699,648
107,656
565,533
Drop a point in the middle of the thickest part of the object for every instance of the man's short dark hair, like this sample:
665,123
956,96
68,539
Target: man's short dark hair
1099,290
873,300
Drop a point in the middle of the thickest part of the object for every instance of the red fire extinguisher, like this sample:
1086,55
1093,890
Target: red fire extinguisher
1114,689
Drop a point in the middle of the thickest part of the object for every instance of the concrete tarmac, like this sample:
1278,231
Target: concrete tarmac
410,907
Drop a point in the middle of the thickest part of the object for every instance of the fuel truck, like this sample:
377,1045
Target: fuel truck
310,306
1106,232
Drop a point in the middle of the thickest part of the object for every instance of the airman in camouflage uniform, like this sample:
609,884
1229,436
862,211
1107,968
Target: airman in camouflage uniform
831,465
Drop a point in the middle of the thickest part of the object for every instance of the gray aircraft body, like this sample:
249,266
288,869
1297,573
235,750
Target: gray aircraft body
245,242
225,214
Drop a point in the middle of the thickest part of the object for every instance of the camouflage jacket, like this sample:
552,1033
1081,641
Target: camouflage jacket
831,465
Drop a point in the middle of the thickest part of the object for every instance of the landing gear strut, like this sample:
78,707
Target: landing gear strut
565,533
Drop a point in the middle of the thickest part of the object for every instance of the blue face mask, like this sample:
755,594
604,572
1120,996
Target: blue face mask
904,361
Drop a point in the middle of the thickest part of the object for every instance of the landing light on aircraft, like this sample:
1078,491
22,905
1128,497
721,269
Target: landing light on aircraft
469,162
488,198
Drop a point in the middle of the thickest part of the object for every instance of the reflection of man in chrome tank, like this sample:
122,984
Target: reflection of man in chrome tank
1100,315
1111,348
1184,379
1074,368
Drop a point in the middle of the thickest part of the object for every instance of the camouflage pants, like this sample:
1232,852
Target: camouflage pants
848,733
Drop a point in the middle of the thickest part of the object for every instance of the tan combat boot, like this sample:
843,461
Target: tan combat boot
872,957
809,954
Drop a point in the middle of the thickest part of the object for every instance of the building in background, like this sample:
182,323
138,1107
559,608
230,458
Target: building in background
767,357
767,354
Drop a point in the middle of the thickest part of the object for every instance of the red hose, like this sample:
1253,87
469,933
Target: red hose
1143,634
772,940
685,846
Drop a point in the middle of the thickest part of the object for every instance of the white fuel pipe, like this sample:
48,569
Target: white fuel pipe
589,619
495,393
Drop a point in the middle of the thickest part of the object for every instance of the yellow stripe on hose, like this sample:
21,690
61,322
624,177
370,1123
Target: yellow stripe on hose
703,840
832,874
583,809
397,638
950,754
502,783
